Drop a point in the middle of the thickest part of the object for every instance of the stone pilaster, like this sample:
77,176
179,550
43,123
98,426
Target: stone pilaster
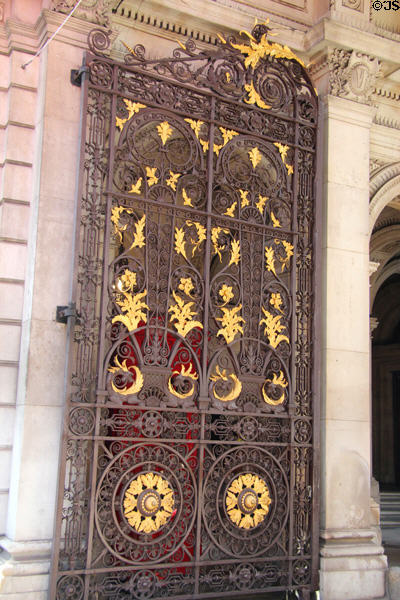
353,564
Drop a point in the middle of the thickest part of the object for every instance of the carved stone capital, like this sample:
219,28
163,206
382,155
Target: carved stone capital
373,324
352,75
94,11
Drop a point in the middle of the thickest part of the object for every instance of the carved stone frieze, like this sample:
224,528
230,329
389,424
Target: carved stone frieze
352,75
94,11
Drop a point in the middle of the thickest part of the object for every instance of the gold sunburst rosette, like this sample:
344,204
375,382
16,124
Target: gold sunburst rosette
148,502
247,501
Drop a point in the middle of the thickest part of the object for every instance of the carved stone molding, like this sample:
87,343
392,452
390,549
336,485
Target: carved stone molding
352,75
373,324
354,4
94,11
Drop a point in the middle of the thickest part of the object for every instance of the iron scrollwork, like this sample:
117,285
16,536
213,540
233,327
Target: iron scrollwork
188,457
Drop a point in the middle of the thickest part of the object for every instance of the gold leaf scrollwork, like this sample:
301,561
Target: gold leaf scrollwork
201,235
283,150
133,107
270,259
230,211
132,304
231,323
236,385
164,130
247,501
183,314
214,239
130,387
184,374
254,96
148,502
289,253
273,328
276,301
186,286
138,236
255,156
135,189
275,221
205,144
227,134
278,381
187,201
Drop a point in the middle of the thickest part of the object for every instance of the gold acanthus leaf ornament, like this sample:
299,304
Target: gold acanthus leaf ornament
164,130
173,180
273,328
276,301
183,314
186,286
235,253
135,189
231,323
184,373
135,386
262,201
243,198
275,221
116,213
148,502
127,281
283,150
139,239
152,178
133,306
227,134
187,201
221,375
230,211
255,156
254,96
180,241
119,122
270,259
278,380
133,107
195,125
205,144
258,50
247,501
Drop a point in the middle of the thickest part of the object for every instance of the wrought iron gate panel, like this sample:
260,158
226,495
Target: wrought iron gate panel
187,465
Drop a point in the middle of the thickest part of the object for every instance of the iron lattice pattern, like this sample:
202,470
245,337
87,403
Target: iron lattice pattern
188,458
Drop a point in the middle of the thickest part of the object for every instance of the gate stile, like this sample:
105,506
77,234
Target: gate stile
188,457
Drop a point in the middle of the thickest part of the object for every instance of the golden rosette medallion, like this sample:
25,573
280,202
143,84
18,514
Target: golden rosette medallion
247,501
148,502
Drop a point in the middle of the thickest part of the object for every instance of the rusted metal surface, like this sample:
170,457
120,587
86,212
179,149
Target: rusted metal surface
187,466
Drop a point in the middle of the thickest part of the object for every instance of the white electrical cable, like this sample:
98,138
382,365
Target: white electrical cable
53,36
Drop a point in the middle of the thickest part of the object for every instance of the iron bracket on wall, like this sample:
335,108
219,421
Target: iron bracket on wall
76,75
63,313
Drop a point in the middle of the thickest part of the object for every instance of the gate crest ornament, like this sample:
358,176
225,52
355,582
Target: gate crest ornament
189,445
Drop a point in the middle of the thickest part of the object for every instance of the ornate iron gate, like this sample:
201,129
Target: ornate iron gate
188,455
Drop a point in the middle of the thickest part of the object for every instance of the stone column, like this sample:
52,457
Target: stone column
352,563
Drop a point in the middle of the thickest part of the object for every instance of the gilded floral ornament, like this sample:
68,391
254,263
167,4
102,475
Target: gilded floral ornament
227,134
164,130
133,107
226,293
273,328
139,240
230,212
262,201
127,281
186,286
187,201
131,387
255,156
270,259
180,244
148,502
275,221
244,201
152,178
232,379
247,501
231,323
276,301
201,235
278,381
283,150
195,125
289,253
183,314
138,235
173,180
183,374
132,304
235,253
135,189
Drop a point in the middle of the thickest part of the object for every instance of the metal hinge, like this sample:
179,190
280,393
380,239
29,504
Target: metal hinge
63,313
76,75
